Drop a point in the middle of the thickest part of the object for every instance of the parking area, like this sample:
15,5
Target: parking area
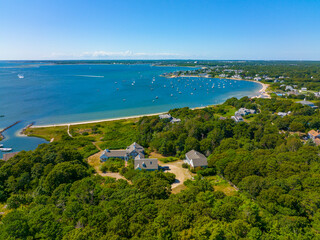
182,174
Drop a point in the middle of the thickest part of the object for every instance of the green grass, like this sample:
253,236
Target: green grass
110,134
47,132
229,111
219,184
169,159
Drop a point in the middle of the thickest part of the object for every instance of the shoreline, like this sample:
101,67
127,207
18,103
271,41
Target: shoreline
262,91
262,94
104,120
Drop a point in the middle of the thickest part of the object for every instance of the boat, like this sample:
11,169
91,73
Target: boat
5,149
1,145
157,97
20,76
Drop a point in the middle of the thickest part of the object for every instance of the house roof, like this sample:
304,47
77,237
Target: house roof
304,102
146,163
317,141
163,116
313,133
197,158
135,146
7,156
114,153
174,120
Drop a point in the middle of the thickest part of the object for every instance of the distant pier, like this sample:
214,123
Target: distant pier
1,131
26,127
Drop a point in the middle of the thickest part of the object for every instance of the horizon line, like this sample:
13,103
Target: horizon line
167,59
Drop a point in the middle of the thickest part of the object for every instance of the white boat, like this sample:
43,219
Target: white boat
5,149
1,145
20,76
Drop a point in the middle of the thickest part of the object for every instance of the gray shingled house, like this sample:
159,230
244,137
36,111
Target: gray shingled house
132,151
196,159
149,164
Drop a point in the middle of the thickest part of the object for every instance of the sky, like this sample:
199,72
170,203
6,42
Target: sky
160,29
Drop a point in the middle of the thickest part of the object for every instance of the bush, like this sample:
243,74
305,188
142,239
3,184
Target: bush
112,165
207,172
185,165
17,199
103,168
169,159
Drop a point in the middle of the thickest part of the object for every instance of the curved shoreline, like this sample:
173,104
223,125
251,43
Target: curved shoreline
261,91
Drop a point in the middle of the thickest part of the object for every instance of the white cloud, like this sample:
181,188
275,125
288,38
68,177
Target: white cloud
115,55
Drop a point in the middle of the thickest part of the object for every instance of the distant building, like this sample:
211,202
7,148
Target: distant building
307,103
237,118
317,141
175,120
304,89
282,114
132,151
7,156
196,159
237,76
289,88
165,116
149,164
245,111
312,134
257,79
168,116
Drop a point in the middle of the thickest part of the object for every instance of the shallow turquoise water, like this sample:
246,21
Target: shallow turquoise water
50,94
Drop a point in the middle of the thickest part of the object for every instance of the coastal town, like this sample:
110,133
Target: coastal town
160,120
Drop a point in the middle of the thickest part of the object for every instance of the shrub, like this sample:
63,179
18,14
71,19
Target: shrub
185,165
207,172
169,159
112,165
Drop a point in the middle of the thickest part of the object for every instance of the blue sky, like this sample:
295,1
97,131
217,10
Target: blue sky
162,29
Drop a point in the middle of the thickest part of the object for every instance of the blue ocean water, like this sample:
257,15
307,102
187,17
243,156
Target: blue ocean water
50,94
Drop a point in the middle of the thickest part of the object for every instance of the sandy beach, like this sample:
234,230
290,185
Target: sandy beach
95,121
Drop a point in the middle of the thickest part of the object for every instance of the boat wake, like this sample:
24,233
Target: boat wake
93,76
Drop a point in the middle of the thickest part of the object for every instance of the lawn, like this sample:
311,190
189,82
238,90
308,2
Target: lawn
109,134
47,132
222,185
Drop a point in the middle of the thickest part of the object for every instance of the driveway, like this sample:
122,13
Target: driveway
182,174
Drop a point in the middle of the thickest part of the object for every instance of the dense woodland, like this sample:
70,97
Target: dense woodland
52,192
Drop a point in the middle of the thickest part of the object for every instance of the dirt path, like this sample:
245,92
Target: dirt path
69,130
182,174
94,161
